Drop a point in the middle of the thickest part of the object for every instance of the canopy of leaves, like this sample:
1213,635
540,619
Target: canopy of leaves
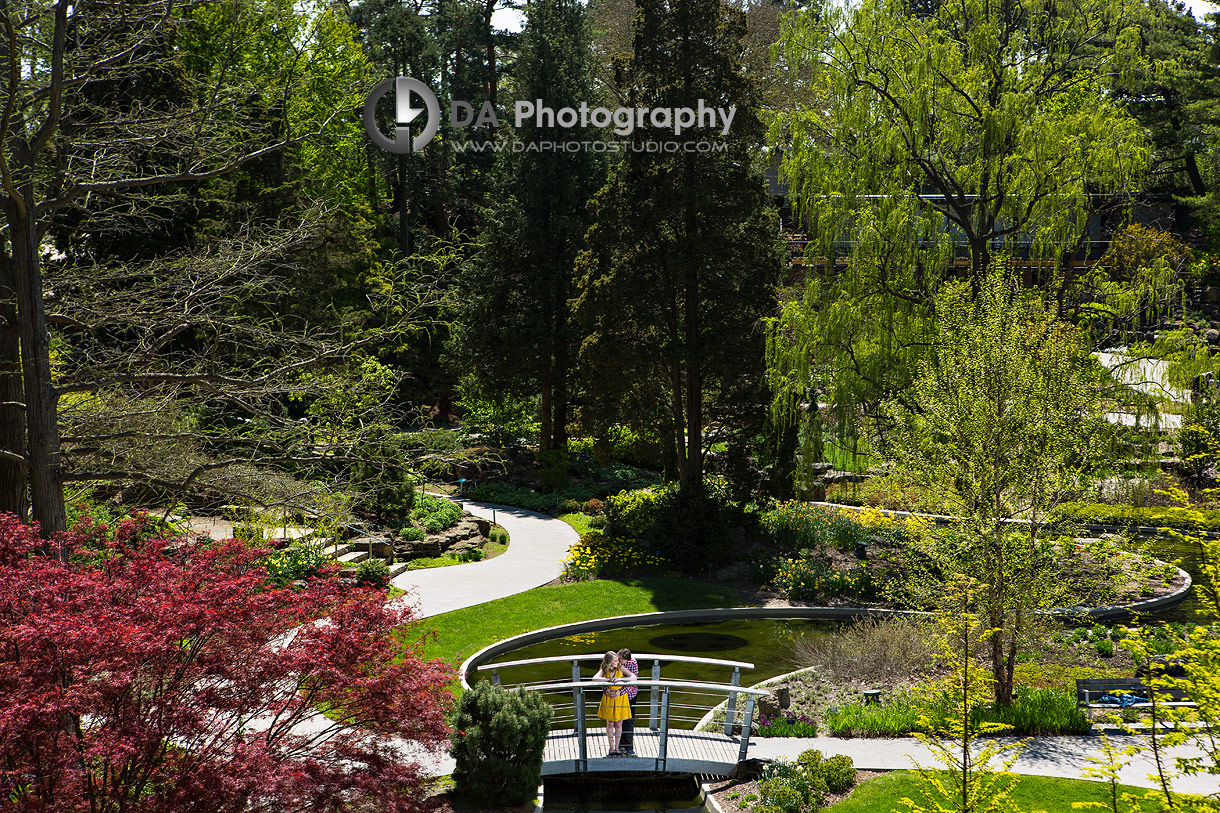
189,684
939,134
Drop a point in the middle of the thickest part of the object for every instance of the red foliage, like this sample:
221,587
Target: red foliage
168,677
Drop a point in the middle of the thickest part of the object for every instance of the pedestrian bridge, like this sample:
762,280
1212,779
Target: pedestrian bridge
666,711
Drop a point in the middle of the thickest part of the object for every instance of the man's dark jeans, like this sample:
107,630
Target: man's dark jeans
627,743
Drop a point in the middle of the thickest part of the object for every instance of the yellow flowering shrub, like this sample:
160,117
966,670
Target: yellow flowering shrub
595,556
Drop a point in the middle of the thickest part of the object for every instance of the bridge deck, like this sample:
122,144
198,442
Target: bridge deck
686,752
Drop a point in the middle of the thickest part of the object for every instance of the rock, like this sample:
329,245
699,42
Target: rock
469,532
844,477
1211,293
1212,336
749,769
783,696
768,707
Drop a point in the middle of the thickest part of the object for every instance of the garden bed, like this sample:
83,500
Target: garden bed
895,657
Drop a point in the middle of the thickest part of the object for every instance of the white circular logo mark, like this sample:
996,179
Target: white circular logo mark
404,114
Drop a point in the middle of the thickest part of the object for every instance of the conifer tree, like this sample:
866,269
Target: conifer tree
683,259
515,330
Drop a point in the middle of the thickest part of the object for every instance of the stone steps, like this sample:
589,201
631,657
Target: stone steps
352,557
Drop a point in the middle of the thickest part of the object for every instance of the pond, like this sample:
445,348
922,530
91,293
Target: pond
767,643
1186,557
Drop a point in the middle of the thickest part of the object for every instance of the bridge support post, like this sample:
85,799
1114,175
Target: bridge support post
652,709
730,708
663,744
582,761
495,674
745,728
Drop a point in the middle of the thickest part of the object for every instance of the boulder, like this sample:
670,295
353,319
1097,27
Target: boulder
1212,336
468,533
768,707
749,769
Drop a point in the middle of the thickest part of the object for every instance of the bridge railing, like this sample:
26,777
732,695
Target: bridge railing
564,712
579,709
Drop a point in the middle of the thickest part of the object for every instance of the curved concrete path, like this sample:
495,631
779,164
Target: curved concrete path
536,545
1065,757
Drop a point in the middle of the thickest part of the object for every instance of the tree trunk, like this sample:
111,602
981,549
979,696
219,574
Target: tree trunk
1196,177
559,406
544,411
678,443
42,414
13,474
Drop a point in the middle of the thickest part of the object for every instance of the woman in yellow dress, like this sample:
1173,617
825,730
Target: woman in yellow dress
615,707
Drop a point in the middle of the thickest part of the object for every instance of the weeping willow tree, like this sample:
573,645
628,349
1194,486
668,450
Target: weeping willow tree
942,135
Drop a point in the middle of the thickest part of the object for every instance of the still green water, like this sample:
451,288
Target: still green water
767,643
1186,557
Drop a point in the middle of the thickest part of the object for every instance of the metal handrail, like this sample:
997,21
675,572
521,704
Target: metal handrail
660,718
725,688
639,656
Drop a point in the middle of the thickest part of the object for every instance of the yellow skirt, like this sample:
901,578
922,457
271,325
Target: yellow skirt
616,706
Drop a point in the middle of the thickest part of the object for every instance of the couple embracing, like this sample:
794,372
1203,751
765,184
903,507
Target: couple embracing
618,671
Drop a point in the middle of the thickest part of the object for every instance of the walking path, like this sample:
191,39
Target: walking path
537,543
1065,757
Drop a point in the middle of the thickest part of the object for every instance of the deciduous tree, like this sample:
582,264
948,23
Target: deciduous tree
937,134
1003,417
145,674
112,112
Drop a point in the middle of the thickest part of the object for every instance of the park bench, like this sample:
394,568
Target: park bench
1131,693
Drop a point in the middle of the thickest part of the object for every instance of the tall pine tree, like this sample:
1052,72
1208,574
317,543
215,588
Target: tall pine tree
683,260
515,332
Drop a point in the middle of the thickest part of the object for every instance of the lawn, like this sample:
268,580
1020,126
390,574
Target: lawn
1033,793
578,521
463,632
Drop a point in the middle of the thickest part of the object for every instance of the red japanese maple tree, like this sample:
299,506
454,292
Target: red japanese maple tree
155,676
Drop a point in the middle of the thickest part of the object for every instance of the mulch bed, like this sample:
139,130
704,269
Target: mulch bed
721,791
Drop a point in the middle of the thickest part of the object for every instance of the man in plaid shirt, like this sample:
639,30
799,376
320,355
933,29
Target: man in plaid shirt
629,664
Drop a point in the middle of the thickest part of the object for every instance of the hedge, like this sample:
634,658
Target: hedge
1126,516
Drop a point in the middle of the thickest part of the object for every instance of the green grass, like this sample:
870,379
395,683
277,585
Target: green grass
578,521
463,632
1042,793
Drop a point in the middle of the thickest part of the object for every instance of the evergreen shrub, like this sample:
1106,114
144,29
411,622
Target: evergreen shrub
373,572
498,740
